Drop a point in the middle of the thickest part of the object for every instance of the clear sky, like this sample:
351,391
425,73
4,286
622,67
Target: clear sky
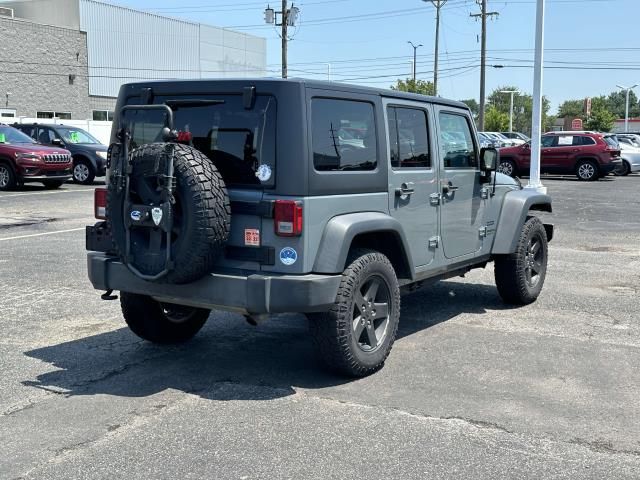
590,45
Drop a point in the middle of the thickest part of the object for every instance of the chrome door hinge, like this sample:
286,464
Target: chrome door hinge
433,242
483,232
484,193
434,199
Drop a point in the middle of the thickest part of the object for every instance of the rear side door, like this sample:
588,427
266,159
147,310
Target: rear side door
413,176
463,207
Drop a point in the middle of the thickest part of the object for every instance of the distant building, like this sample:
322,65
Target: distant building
68,58
634,125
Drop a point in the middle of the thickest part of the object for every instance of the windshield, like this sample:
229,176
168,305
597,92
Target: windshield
239,141
76,135
9,135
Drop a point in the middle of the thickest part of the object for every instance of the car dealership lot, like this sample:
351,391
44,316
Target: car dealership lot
472,389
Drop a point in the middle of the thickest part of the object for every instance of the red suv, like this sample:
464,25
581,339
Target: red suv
22,160
587,155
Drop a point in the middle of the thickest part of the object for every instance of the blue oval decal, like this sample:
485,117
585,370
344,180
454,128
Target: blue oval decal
136,215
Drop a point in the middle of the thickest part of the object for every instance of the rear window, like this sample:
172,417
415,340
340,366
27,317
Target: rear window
343,135
611,141
240,142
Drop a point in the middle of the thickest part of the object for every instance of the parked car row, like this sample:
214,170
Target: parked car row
49,154
502,139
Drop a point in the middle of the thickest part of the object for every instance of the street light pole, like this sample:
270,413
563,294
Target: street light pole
626,106
511,92
536,121
415,48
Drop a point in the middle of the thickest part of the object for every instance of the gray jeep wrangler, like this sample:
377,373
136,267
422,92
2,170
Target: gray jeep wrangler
265,196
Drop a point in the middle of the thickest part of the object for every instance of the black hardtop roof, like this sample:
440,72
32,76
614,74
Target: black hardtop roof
320,84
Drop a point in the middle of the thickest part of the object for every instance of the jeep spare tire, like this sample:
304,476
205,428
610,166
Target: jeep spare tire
200,213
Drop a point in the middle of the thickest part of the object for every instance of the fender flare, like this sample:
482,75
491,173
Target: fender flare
340,231
515,208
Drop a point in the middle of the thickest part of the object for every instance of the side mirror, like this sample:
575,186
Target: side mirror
489,158
56,141
526,145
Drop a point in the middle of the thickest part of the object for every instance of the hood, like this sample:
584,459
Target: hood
516,149
502,179
88,147
33,148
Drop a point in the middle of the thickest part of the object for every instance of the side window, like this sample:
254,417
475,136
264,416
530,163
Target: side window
565,140
31,131
409,138
584,141
45,136
548,141
456,142
343,135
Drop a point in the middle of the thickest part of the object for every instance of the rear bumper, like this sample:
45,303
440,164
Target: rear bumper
235,292
610,167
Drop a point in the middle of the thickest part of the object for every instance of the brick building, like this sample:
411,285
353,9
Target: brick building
68,58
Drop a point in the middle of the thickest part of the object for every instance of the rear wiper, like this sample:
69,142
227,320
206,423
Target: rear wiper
175,104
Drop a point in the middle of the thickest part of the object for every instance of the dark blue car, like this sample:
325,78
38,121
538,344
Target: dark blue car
89,155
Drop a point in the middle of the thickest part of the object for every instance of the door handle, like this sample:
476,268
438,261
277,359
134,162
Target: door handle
576,149
447,188
405,189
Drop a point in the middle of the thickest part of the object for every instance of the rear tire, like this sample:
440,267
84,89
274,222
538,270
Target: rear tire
587,171
520,275
7,178
162,323
52,184
355,336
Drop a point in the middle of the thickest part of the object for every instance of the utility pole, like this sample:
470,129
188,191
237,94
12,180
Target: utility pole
626,105
285,14
483,53
415,47
438,4
511,92
288,17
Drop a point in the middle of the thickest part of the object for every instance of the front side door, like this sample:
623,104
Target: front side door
560,154
461,193
413,177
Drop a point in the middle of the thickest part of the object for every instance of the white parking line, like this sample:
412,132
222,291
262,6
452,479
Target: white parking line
46,193
41,234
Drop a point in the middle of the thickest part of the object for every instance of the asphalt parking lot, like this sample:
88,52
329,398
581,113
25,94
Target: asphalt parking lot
472,389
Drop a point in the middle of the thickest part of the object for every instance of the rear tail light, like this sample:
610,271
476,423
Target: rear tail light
287,218
100,203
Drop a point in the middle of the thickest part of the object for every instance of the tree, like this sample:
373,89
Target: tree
419,86
616,103
495,120
522,107
473,106
572,109
601,120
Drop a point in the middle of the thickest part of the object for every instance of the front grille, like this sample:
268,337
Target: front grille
57,158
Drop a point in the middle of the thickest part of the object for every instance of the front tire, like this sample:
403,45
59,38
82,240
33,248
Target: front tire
520,275
7,178
83,172
355,337
158,322
508,167
624,170
587,171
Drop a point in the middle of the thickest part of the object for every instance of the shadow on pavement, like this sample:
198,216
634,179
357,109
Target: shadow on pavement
277,354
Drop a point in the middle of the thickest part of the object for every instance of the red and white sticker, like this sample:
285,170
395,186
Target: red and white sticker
252,237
